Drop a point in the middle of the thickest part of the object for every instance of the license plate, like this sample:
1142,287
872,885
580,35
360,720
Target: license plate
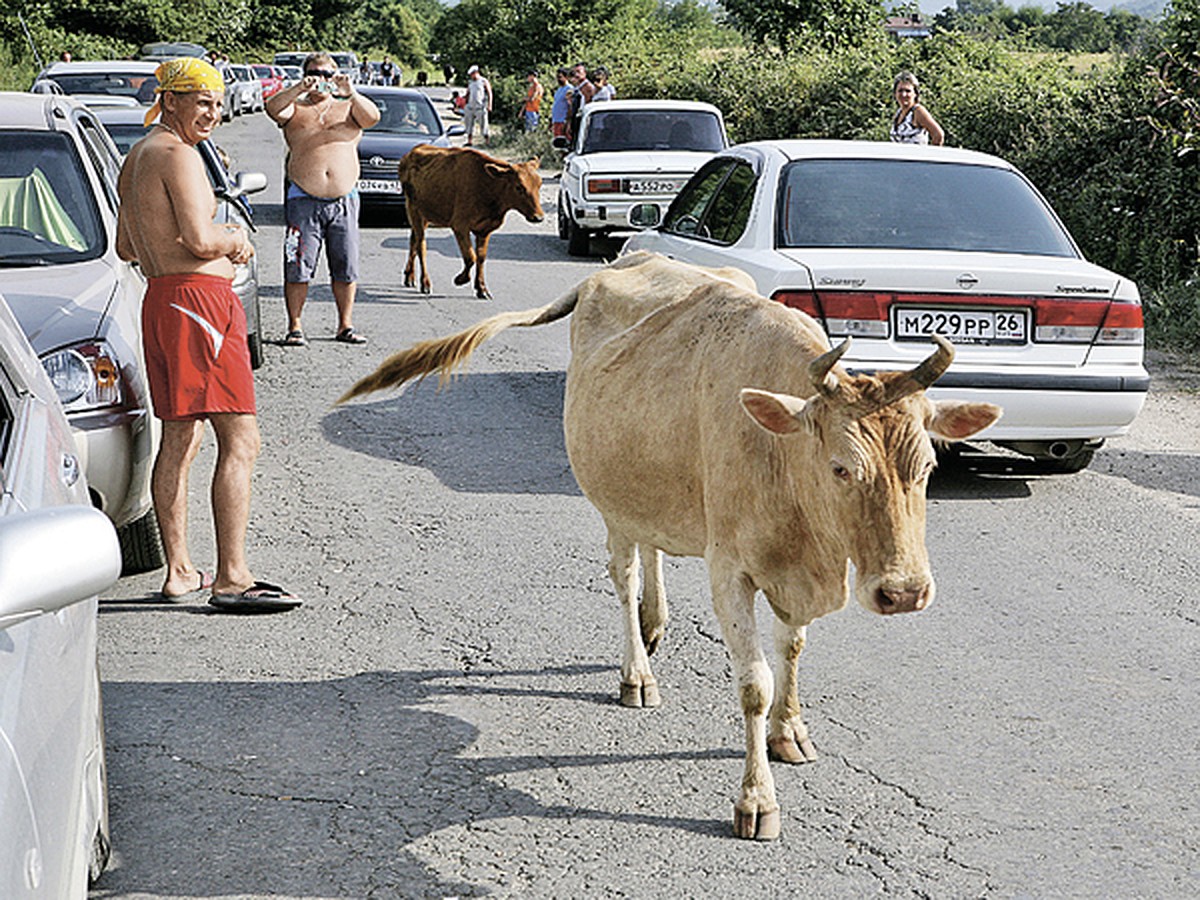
379,186
959,326
654,185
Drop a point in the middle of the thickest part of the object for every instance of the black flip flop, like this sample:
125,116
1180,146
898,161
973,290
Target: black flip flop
260,597
350,336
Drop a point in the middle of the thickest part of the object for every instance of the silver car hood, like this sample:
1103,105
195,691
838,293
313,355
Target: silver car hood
59,305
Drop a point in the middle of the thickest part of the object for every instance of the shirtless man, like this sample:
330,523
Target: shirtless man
322,118
194,334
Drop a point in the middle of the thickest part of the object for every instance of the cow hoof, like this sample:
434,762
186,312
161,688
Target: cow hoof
639,696
785,749
753,825
426,289
462,278
485,294
409,281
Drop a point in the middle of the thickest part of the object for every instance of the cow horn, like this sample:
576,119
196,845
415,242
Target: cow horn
819,368
931,369
925,374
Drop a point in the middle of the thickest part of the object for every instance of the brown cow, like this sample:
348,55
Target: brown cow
675,442
470,192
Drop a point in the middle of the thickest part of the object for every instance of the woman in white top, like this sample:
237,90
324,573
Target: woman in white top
912,123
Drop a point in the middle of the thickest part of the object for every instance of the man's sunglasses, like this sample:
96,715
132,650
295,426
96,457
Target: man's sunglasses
320,73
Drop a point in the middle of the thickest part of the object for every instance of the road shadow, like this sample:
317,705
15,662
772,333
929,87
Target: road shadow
523,247
316,789
491,433
1177,473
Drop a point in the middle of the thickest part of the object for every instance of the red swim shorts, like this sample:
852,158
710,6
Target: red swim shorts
197,358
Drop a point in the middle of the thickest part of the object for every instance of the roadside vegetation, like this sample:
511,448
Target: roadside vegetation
1102,111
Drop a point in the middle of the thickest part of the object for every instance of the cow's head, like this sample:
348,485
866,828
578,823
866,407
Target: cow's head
520,187
861,475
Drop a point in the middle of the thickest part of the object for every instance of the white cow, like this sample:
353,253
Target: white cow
702,419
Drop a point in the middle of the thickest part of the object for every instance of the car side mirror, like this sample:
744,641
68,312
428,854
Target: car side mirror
645,215
32,578
248,183
561,144
456,131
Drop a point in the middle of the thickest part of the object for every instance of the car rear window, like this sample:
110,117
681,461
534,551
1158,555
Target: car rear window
48,213
653,129
915,205
135,85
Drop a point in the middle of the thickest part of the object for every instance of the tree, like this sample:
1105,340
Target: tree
786,23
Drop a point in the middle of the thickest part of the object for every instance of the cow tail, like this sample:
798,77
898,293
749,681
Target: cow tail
444,355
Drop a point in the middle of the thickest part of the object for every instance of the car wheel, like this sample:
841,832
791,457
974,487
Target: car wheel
141,545
255,339
578,239
563,222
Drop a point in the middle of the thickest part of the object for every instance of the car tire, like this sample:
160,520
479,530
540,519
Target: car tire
578,240
141,545
563,222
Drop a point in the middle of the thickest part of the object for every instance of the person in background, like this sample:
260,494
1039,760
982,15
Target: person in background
560,107
912,123
582,92
604,90
322,117
194,334
533,100
479,105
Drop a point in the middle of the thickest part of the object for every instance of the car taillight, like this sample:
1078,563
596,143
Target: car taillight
844,313
604,185
1122,325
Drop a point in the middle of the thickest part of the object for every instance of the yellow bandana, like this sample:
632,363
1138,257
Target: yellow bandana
184,76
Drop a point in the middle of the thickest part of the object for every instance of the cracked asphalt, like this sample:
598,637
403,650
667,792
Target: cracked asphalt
440,720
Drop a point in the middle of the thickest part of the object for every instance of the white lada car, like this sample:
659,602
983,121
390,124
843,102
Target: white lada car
632,153
888,244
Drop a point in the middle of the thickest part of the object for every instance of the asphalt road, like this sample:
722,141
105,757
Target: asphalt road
439,719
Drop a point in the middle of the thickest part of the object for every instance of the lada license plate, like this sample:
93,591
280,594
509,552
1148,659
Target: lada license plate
379,186
960,326
654,185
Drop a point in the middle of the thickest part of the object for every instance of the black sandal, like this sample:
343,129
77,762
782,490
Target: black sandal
294,339
350,336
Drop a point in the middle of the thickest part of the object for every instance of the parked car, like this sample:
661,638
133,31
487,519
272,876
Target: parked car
101,82
407,118
56,554
243,90
292,75
78,303
629,153
126,128
347,63
891,243
172,50
270,77
292,58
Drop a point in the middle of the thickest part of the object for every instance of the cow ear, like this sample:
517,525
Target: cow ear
494,170
534,162
777,413
956,420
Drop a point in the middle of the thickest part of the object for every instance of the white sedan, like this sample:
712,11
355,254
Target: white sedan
631,153
888,244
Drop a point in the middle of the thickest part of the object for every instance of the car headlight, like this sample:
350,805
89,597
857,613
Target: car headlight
85,376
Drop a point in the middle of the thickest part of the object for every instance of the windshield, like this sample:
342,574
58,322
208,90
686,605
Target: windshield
48,213
137,86
125,136
405,116
915,205
653,129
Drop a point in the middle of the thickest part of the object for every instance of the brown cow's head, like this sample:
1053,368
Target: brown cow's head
521,187
863,472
